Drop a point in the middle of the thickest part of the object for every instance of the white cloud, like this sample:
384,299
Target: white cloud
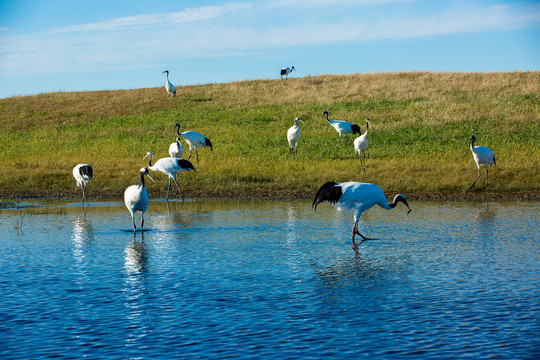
237,28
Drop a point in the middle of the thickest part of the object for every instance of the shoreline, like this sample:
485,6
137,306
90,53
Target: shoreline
264,195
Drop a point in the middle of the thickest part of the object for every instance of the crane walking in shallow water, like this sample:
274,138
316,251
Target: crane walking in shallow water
342,127
83,175
169,166
293,135
194,140
361,145
357,197
171,90
482,156
136,198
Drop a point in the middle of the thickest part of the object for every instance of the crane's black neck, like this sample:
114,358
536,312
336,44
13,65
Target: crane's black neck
150,160
141,174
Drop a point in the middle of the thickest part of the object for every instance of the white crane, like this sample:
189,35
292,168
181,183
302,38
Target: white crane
286,71
342,127
357,197
171,90
482,156
361,145
176,149
136,198
83,175
194,140
293,135
169,166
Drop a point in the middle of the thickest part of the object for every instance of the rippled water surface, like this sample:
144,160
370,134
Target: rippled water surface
269,279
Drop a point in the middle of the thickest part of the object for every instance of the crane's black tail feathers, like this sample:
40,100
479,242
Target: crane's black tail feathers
208,143
330,192
86,172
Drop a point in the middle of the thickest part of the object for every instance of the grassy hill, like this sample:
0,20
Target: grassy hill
420,126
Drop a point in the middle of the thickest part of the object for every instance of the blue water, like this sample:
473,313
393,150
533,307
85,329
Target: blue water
269,279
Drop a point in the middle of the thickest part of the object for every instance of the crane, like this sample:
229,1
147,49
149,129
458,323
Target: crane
361,145
194,140
83,175
342,127
176,149
171,90
357,197
286,71
482,156
136,198
169,166
293,135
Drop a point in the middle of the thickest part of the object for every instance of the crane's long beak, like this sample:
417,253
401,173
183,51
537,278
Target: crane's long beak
150,177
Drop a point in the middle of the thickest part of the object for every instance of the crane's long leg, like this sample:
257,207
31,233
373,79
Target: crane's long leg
190,153
356,232
478,177
178,187
295,152
197,153
142,221
339,139
133,220
168,188
486,175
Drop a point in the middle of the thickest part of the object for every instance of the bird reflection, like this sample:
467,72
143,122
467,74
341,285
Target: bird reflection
83,234
135,256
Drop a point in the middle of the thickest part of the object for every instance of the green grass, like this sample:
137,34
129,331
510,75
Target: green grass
420,126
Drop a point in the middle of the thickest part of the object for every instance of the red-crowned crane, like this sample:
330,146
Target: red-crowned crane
293,135
83,175
136,198
194,140
169,166
286,71
357,197
482,156
342,127
361,145
176,149
171,90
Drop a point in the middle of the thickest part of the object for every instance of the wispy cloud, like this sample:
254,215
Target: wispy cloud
241,28
152,20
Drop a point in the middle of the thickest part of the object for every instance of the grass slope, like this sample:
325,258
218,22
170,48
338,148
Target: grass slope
420,126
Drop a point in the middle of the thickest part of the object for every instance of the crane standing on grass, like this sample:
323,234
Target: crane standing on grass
286,71
361,145
176,149
293,135
194,140
482,156
342,127
171,90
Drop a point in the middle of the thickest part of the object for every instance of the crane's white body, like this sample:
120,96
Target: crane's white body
171,90
361,145
356,197
194,140
482,156
136,199
83,175
176,149
286,71
342,127
293,136
170,166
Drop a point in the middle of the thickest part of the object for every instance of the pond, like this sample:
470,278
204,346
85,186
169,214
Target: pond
269,279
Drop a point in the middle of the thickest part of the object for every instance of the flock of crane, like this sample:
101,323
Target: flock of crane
353,196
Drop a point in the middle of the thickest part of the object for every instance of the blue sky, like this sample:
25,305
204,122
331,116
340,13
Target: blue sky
94,45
